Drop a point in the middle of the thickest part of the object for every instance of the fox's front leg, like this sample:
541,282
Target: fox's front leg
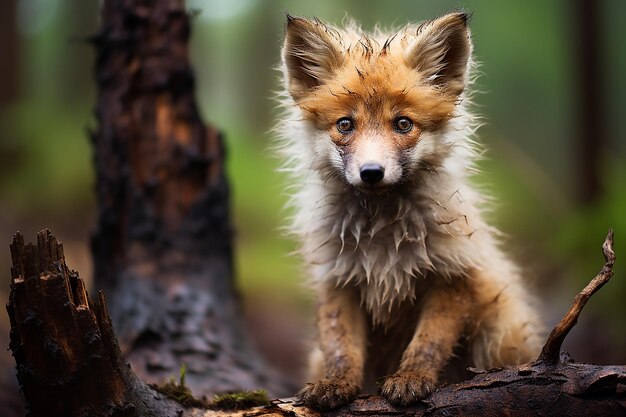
446,311
342,340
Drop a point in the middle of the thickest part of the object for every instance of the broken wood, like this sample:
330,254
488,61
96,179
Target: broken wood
552,349
67,356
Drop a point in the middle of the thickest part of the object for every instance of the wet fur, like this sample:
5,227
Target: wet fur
411,282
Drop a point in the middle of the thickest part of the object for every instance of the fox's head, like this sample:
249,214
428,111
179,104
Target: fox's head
378,108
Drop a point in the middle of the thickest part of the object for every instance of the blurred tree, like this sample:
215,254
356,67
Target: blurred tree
9,70
592,121
162,249
9,78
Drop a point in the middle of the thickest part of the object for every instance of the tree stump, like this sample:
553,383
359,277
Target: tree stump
68,360
64,345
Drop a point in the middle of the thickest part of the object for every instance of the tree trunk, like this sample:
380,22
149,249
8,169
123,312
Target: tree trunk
162,249
57,335
9,50
68,360
592,131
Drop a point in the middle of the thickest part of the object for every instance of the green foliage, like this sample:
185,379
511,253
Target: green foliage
263,257
53,166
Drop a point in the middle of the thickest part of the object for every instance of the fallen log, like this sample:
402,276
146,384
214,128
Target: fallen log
69,362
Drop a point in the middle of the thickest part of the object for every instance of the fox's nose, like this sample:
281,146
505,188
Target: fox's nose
372,173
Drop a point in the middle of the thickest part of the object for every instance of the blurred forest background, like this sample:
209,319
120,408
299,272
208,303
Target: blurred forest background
553,88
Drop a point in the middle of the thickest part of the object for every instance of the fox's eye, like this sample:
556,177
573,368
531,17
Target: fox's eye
345,125
403,124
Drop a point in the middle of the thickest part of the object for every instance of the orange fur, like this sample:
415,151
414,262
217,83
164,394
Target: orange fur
374,92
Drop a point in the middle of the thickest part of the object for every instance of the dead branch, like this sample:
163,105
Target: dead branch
552,349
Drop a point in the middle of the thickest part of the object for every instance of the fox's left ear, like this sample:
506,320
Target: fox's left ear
441,51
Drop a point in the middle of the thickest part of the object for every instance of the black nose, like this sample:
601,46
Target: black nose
372,173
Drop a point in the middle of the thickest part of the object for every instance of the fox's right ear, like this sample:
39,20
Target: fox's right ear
311,53
441,51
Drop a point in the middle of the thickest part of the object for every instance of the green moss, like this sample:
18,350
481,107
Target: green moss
240,400
179,391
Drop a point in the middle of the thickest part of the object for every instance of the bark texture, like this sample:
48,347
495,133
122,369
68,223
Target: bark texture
58,337
68,359
162,249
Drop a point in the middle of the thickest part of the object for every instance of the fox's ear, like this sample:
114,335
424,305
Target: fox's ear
441,51
311,53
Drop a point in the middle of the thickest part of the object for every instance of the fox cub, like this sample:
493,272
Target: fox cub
411,284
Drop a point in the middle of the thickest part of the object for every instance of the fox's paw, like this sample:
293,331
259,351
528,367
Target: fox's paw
328,394
404,388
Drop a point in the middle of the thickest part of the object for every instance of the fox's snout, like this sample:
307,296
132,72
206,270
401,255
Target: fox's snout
371,162
372,173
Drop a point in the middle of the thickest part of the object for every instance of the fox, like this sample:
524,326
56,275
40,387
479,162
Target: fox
412,285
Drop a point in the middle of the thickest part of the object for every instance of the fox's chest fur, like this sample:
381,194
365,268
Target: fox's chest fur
388,246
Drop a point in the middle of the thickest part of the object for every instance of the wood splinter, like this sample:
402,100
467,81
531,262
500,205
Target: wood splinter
552,348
